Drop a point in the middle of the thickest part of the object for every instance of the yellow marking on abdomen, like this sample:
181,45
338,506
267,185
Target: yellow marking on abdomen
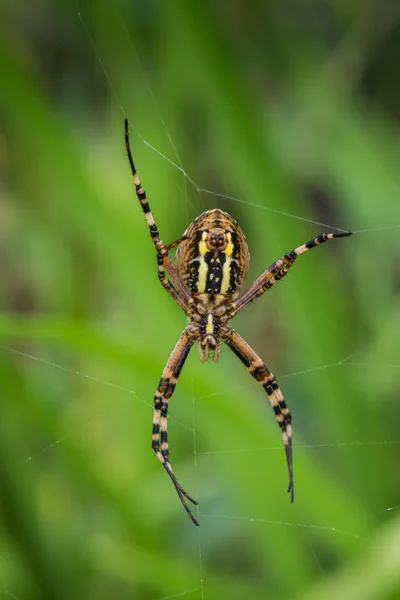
202,244
226,275
229,247
202,274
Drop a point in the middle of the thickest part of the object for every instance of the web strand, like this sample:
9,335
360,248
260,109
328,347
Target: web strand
284,523
180,594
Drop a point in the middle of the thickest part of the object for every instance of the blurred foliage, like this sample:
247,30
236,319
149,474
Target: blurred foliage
291,112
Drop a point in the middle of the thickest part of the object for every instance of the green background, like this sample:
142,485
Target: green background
287,108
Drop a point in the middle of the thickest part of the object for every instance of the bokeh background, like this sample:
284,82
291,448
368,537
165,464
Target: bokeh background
291,112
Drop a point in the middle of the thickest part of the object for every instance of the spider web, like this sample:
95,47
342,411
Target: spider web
354,361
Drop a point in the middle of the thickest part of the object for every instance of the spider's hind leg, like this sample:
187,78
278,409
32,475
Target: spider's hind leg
282,415
260,372
162,451
165,390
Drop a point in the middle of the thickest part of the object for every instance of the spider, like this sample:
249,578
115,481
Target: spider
211,265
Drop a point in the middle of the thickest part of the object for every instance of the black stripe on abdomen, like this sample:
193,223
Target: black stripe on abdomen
215,263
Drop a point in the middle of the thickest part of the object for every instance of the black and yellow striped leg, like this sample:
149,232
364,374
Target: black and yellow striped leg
277,271
163,394
260,372
164,263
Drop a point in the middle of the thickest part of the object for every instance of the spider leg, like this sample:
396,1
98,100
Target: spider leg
175,288
260,372
164,392
277,271
176,243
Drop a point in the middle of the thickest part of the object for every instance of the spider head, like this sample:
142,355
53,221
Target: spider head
209,341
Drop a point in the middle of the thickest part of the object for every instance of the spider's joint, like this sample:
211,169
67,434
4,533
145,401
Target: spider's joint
201,309
193,331
162,250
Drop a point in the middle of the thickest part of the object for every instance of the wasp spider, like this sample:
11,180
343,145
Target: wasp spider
211,266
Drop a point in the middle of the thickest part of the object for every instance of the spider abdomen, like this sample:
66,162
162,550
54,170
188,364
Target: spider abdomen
213,259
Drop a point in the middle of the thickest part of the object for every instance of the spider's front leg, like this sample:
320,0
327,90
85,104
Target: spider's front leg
163,394
175,288
260,372
277,271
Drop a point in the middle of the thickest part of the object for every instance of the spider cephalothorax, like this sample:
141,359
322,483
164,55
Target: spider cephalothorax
211,266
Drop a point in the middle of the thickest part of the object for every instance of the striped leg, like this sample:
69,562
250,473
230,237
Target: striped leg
278,270
163,394
164,263
260,372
